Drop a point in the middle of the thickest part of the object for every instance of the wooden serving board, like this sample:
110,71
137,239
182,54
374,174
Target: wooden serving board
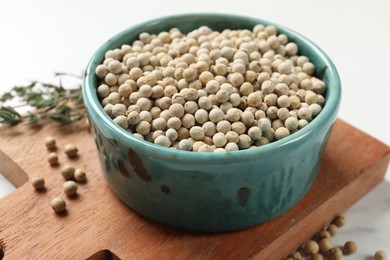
97,225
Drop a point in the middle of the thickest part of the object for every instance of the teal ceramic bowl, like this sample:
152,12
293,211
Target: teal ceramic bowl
210,191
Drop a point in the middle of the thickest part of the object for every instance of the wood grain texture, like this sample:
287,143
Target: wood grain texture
97,225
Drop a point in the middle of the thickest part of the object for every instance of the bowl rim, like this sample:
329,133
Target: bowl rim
93,105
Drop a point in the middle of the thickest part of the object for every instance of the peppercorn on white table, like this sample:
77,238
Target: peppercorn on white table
37,42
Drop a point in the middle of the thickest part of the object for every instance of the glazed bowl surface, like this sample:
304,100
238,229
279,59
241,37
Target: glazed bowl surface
211,191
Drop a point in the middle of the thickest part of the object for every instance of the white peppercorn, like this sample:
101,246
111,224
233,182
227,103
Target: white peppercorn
219,140
276,123
291,123
310,98
143,128
196,145
50,143
247,118
209,128
101,71
308,68
222,95
139,136
315,109
235,99
349,247
165,115
380,255
175,122
335,253
201,116
272,112
190,107
197,133
325,244
176,110
69,188
146,116
262,141
302,123
254,133
171,134
233,115
205,148
244,141
230,147
204,103
159,124
304,113
212,86
185,145
259,114
103,91
283,113
238,127
223,126
113,98
67,172
80,175
133,118
38,182
178,98
118,110
162,140
58,204
182,133
216,115
236,79
255,99
281,133
52,158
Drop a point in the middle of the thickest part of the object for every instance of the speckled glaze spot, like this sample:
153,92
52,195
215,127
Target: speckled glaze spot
165,189
243,195
137,164
116,142
122,168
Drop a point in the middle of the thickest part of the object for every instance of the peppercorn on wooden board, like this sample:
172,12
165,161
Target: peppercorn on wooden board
97,225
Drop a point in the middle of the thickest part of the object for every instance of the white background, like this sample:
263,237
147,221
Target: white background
38,38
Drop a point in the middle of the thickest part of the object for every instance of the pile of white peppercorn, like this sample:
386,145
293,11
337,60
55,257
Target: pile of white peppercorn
321,247
210,91
68,173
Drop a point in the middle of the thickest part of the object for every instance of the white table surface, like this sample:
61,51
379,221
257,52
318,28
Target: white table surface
40,37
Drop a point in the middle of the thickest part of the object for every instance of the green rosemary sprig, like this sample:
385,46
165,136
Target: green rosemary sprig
47,100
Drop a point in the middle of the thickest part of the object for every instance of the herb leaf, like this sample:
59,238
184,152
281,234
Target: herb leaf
48,100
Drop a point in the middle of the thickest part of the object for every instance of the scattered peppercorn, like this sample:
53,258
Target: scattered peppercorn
325,245
71,150
58,204
339,221
38,182
380,255
335,253
332,229
80,175
50,142
316,257
311,247
350,247
52,158
67,172
70,188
